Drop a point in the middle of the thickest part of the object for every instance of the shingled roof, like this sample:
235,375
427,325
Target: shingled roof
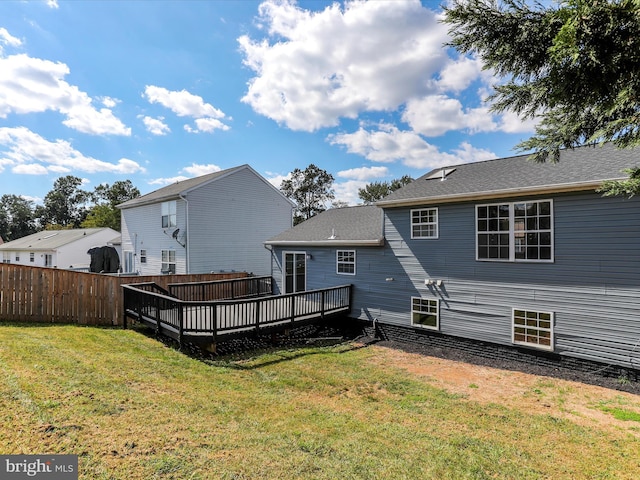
51,239
580,169
361,225
175,190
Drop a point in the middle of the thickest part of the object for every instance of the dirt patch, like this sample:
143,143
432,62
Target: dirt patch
578,402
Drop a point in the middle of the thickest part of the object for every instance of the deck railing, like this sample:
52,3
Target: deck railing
209,320
222,289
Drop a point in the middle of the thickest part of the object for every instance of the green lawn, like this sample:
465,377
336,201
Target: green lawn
132,408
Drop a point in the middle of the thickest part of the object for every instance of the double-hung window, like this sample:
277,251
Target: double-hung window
168,261
424,223
346,262
515,232
168,214
425,313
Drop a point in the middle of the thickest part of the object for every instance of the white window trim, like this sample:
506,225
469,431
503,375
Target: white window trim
128,261
171,208
512,250
284,267
428,327
436,223
168,262
529,344
338,263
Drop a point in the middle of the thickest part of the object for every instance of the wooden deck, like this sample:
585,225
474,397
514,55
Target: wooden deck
251,310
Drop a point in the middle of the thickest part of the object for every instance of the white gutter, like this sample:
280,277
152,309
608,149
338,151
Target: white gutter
187,249
328,243
484,195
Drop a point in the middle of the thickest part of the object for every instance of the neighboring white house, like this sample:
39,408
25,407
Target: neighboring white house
212,223
57,248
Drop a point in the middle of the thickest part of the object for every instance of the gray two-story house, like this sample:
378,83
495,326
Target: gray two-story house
212,223
505,251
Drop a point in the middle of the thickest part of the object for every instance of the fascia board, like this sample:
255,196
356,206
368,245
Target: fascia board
511,192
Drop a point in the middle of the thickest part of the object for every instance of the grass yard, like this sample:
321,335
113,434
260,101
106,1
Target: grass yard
132,408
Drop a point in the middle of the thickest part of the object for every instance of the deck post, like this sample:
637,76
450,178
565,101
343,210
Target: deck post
124,308
214,323
293,309
157,305
181,324
257,319
322,304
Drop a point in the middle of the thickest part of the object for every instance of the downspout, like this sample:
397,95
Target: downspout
187,249
268,247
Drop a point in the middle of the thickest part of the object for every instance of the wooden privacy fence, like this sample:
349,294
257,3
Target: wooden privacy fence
39,294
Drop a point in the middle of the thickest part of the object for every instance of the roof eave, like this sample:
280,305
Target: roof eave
379,242
511,192
174,196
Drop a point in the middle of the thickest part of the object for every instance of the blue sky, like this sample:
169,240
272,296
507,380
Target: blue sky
156,91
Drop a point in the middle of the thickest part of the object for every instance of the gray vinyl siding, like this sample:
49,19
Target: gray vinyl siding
142,230
230,218
592,287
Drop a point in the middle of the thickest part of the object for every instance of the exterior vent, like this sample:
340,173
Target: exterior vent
440,174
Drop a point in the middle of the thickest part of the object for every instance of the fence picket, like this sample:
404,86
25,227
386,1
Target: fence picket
40,294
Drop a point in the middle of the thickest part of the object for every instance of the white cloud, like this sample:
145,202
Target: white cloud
156,126
52,3
364,173
316,68
276,179
193,170
388,144
30,169
196,170
167,181
459,74
208,125
29,85
435,115
109,102
185,104
182,103
348,191
23,150
510,122
7,39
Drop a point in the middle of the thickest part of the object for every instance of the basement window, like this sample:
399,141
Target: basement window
425,312
533,329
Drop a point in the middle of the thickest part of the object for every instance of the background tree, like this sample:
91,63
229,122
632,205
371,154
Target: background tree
65,205
17,217
574,65
105,197
375,191
310,189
